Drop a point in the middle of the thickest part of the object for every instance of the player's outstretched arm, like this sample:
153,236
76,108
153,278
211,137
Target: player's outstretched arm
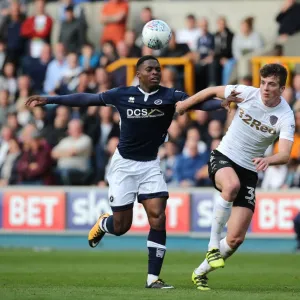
204,95
211,104
280,158
80,99
208,93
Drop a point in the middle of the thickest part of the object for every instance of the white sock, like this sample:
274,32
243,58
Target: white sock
151,278
221,214
226,252
102,225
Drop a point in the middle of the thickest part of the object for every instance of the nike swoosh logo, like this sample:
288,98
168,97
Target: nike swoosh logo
94,244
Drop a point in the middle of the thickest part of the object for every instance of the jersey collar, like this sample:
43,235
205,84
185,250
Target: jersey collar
146,95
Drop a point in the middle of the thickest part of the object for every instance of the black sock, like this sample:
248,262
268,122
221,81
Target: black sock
108,225
156,247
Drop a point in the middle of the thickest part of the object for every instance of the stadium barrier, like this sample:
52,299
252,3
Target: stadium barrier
287,61
73,210
130,63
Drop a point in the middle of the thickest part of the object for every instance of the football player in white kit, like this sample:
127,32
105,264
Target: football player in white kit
261,117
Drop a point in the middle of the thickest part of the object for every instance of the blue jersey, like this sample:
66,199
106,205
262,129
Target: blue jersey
145,118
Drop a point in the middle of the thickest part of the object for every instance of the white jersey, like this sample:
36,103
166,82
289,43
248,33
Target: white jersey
255,127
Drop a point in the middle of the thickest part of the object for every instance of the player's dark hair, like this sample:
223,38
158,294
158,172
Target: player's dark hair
145,58
276,70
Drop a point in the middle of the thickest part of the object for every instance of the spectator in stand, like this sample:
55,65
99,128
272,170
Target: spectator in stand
188,163
37,29
10,30
39,118
202,175
288,19
73,155
6,135
109,54
215,130
35,164
204,56
70,75
8,80
5,106
54,133
24,91
55,69
8,169
103,80
84,85
169,78
200,121
296,87
193,134
106,127
223,59
146,15
189,35
5,6
175,49
109,152
3,54
167,160
36,68
129,39
88,58
114,17
12,122
175,134
72,33
274,177
247,40
78,11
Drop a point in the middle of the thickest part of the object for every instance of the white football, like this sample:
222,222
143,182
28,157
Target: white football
156,34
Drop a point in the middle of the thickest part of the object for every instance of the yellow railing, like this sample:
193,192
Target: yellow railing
287,61
164,61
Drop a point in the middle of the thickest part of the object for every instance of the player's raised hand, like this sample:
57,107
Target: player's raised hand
180,107
233,97
34,101
261,163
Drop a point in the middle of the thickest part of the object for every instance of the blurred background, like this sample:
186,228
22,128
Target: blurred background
63,47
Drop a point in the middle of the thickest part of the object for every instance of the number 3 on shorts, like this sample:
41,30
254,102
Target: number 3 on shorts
251,197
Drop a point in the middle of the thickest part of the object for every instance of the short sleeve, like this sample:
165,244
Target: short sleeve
244,90
110,97
179,96
287,128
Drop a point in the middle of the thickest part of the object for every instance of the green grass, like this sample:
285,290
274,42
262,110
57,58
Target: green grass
26,274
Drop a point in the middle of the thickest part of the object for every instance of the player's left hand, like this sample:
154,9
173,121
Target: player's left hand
231,98
180,107
261,163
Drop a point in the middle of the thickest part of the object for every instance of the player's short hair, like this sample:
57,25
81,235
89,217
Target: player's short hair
276,70
145,58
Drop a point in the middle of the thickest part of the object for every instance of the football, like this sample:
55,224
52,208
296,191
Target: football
156,34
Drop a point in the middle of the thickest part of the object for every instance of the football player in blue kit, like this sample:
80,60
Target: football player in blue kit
146,112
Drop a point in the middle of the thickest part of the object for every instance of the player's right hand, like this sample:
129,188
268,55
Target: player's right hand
34,101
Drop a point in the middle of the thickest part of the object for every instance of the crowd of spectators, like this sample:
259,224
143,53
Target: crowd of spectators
73,146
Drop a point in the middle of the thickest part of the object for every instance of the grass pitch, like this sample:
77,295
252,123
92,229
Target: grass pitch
73,275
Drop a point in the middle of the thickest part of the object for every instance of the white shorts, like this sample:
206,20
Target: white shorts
129,179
